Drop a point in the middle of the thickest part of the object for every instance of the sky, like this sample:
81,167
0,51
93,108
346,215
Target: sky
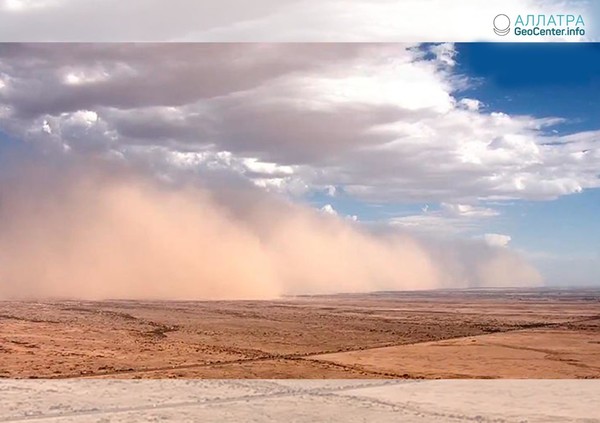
486,144
548,80
278,20
542,81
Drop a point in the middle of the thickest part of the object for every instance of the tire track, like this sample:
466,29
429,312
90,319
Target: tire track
281,391
307,357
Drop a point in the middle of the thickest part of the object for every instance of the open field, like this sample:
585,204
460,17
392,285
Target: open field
434,334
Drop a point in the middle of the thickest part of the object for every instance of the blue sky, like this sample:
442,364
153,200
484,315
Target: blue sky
540,79
548,80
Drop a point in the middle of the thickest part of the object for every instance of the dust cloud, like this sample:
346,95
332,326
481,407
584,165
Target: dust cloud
99,232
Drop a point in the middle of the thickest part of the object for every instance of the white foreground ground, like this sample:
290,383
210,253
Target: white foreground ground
299,400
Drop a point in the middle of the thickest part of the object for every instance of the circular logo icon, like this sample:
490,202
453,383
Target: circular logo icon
501,24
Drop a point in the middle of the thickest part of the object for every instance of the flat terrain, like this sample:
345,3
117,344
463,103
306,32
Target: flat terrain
300,401
432,334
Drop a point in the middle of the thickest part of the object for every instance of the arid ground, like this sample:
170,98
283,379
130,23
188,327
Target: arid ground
547,333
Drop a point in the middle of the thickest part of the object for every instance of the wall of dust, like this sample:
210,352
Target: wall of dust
100,231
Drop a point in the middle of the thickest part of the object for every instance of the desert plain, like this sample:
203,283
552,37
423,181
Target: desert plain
442,334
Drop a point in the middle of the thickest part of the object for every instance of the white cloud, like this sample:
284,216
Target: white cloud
377,122
46,128
434,223
467,210
257,166
328,209
331,190
470,104
450,219
497,240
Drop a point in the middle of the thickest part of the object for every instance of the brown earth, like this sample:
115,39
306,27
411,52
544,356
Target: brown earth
434,334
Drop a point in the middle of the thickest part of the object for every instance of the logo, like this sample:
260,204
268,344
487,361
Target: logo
501,25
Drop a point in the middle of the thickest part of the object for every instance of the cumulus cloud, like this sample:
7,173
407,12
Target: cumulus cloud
379,121
466,210
328,209
498,240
